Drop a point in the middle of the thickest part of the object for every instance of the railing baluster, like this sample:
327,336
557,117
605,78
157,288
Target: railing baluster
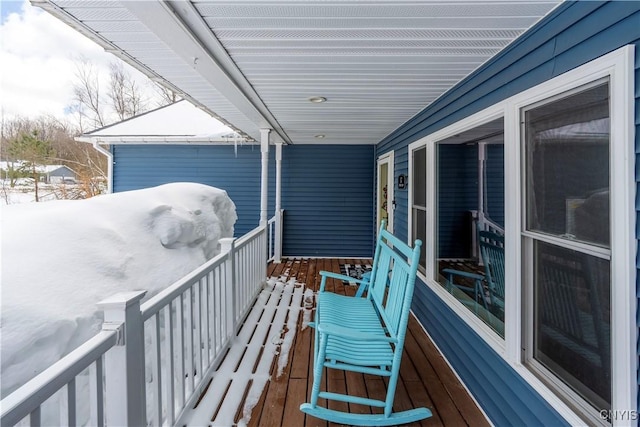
35,417
221,292
197,329
189,316
93,394
236,290
71,402
181,351
99,392
169,371
202,346
215,308
239,288
207,319
214,312
156,361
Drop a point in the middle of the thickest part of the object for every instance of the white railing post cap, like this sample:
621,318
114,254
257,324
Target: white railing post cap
226,243
121,300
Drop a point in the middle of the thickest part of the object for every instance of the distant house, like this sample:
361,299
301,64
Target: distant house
50,174
57,174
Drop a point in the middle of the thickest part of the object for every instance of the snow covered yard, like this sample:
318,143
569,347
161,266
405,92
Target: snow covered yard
60,258
23,191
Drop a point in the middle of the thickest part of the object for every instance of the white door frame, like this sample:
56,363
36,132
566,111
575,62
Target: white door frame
387,159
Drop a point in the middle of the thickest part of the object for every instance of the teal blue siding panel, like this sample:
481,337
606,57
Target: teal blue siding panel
574,34
327,190
401,167
476,363
328,197
236,171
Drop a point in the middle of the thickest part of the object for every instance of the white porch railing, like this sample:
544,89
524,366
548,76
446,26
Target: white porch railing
275,236
149,361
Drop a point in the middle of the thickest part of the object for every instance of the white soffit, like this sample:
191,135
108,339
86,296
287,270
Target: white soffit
378,63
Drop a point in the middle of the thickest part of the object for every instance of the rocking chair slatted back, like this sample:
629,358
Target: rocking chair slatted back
388,291
492,250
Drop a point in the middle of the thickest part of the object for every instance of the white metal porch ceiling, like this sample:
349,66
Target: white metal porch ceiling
256,63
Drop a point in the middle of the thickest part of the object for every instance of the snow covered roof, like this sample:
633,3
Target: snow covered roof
51,168
40,169
177,123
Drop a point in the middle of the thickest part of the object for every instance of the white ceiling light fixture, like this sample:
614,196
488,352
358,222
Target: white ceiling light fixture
317,99
320,136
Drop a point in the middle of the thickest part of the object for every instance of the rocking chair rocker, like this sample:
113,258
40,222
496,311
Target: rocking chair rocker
366,334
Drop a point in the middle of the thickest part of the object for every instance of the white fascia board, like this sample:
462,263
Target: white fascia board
175,29
172,140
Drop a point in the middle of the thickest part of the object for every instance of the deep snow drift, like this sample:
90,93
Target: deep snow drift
60,258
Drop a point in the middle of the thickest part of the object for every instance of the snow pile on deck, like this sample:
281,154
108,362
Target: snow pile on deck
60,258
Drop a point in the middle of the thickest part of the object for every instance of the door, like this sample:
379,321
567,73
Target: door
385,200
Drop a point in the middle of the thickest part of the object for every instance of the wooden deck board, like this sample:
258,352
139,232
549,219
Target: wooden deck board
425,377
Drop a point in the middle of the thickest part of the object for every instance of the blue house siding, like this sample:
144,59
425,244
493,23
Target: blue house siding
477,362
327,191
574,34
142,166
328,197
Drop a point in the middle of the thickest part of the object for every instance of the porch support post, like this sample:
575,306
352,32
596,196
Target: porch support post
278,234
264,149
124,363
482,156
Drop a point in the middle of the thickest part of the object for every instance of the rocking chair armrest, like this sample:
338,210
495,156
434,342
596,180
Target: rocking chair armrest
342,332
463,274
329,274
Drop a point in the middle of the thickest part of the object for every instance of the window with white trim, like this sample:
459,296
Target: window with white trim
419,200
569,234
566,242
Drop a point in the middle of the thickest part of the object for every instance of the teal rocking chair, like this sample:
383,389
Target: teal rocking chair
492,253
366,334
492,250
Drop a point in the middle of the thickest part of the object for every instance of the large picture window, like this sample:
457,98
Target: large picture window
566,146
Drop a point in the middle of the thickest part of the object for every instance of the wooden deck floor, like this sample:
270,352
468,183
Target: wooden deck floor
426,379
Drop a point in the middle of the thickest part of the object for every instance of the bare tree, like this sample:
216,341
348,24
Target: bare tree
166,95
97,107
86,92
124,93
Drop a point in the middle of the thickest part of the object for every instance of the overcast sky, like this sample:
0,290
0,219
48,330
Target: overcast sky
37,66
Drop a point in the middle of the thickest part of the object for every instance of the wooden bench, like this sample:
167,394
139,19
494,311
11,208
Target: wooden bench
366,333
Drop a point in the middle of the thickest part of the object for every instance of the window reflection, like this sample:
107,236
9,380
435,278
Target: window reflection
568,163
470,220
